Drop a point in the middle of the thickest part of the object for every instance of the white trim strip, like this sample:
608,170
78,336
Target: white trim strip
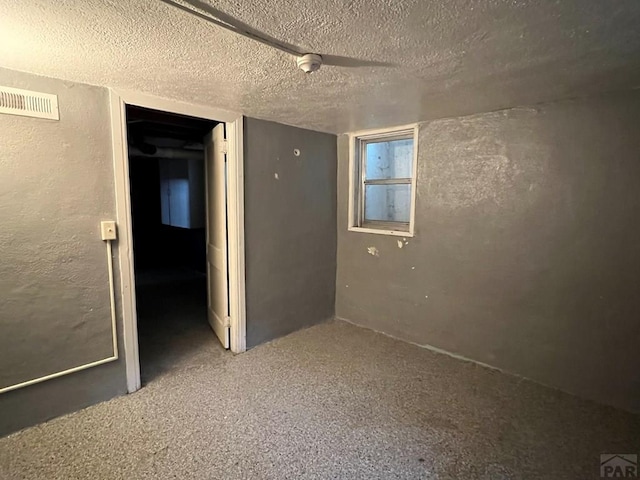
114,337
382,231
112,299
125,249
235,202
58,374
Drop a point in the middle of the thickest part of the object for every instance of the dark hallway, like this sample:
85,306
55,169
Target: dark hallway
172,320
166,168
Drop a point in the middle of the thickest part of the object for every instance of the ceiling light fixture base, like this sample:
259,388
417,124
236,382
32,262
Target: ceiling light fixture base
309,62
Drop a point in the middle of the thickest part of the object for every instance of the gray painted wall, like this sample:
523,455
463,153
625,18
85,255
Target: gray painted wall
527,247
290,228
56,184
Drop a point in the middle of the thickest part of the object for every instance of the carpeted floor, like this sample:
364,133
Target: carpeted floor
172,321
331,402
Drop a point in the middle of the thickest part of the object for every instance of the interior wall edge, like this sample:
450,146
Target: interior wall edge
462,358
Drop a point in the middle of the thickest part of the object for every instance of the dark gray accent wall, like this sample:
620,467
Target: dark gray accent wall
290,228
526,254
56,185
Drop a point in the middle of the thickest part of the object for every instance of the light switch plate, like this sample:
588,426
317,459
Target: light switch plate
108,230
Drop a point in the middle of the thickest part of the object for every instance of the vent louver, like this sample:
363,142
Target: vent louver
27,103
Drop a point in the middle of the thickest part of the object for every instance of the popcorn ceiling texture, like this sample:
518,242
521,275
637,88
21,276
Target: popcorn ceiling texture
447,58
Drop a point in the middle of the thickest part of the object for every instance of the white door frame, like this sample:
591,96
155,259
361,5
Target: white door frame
235,201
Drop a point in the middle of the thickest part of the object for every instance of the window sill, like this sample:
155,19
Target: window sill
382,231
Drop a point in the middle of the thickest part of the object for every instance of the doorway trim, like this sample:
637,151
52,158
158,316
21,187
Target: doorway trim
118,100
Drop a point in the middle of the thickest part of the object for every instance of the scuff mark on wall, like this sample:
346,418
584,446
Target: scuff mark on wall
373,251
400,244
276,176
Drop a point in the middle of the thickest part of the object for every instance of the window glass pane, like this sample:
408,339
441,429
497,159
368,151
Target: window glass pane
388,159
174,202
387,203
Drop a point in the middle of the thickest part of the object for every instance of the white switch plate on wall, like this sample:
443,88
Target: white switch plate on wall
108,230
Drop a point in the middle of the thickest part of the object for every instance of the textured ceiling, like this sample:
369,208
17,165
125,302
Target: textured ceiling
446,58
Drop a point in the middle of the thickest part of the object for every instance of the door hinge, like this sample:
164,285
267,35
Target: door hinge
223,147
227,322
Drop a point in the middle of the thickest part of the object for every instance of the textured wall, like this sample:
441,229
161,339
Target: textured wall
527,247
56,184
290,228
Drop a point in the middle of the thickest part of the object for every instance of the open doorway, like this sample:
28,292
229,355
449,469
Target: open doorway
232,123
175,225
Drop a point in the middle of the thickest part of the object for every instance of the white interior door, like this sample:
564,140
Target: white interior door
217,279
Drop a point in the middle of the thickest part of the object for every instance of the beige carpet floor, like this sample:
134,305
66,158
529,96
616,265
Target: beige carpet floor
330,402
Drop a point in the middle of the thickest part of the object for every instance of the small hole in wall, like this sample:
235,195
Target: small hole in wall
296,152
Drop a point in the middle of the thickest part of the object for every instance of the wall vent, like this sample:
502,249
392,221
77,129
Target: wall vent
27,103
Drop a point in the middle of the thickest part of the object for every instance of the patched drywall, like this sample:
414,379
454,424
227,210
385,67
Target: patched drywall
290,228
400,60
525,255
56,185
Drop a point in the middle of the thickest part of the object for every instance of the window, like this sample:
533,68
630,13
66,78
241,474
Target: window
182,195
383,181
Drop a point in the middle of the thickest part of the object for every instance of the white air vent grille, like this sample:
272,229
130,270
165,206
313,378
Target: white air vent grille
27,103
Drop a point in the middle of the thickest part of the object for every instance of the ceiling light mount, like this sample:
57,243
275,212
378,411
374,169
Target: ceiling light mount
309,62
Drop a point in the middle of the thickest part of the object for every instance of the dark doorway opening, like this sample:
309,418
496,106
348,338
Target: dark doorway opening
167,185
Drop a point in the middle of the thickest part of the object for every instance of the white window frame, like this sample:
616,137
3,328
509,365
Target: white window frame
356,181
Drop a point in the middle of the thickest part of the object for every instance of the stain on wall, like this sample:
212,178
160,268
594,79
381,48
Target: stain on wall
56,185
526,253
290,228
